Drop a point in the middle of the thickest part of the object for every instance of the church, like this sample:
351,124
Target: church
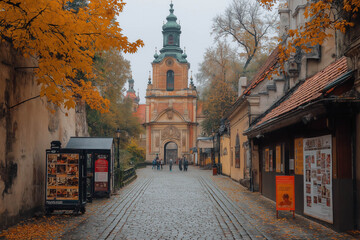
172,115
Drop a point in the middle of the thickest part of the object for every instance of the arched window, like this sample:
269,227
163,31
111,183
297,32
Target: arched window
170,80
237,151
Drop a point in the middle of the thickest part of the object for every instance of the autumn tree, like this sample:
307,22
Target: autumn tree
113,71
249,26
218,76
63,37
321,16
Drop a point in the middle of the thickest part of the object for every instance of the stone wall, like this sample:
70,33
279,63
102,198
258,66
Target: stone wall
26,130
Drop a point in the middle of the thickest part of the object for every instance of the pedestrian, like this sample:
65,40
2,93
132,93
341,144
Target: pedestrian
170,164
158,164
161,164
186,164
153,164
180,164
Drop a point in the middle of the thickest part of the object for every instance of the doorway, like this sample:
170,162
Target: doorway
170,152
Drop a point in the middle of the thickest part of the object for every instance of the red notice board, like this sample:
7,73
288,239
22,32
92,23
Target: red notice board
285,193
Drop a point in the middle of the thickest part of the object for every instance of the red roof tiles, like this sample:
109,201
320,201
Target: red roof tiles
263,71
309,90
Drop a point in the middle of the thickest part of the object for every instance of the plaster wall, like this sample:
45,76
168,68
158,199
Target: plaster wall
26,131
239,122
225,154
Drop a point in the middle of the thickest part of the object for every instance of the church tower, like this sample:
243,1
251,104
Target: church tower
171,102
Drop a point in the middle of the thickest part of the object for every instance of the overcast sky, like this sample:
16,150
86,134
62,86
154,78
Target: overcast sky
144,19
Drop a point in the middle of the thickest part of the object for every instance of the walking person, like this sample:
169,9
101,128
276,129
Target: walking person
161,164
186,164
180,164
170,165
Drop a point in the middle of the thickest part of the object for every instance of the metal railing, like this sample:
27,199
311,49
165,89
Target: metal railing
121,177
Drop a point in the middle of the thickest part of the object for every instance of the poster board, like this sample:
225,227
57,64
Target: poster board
318,201
62,176
299,159
278,158
101,173
266,156
285,193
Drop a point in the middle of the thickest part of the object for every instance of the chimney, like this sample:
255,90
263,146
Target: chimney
242,85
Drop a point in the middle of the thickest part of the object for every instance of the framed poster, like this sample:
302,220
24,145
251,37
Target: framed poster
266,157
101,173
62,176
318,201
278,158
298,153
271,163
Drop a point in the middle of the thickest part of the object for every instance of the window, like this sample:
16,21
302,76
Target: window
237,152
170,81
171,40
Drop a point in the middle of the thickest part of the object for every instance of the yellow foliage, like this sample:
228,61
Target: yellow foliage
321,18
64,42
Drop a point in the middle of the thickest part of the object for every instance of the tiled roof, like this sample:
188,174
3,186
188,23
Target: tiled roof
263,71
309,90
141,113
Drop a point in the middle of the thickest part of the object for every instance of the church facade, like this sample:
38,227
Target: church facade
171,113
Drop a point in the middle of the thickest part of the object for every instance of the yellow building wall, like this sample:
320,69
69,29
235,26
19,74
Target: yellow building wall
239,122
225,154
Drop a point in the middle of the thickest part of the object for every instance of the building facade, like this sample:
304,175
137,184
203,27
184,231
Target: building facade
171,111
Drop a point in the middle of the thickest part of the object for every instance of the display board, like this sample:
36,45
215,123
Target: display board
285,193
62,176
318,178
299,159
101,173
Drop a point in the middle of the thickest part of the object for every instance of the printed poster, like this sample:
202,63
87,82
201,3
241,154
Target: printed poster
101,173
266,159
318,201
278,158
299,159
285,193
62,176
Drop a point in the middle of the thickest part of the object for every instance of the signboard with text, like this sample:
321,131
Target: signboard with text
285,193
101,173
318,178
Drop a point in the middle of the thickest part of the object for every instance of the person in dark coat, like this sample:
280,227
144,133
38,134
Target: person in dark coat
170,165
180,164
186,164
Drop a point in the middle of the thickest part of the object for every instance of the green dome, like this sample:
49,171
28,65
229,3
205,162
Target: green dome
171,20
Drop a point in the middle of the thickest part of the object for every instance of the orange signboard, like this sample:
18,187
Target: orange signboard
285,194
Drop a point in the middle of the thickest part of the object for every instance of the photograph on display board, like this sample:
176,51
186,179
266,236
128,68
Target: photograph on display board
63,177
318,178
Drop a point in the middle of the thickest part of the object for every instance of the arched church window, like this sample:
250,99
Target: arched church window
170,80
237,151
171,39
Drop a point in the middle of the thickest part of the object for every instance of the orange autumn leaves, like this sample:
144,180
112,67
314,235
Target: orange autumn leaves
323,17
64,41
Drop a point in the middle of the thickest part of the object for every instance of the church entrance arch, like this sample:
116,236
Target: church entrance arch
170,152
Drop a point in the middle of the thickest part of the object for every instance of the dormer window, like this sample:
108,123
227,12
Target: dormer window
171,40
170,80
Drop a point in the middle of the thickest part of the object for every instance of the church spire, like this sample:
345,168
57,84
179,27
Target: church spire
171,39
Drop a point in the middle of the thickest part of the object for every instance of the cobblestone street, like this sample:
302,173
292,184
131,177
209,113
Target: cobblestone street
181,205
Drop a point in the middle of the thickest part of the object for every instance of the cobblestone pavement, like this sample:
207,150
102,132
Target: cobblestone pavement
182,205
